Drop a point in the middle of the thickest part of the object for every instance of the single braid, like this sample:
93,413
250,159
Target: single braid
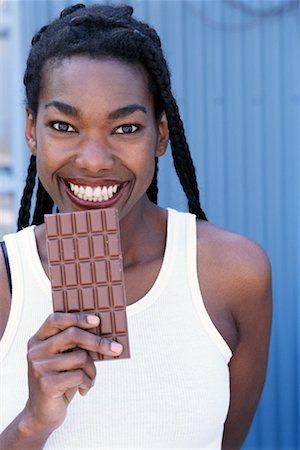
182,159
38,35
152,190
24,211
183,162
44,205
70,9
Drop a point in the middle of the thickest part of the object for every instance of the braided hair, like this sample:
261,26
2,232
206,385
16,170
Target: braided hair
100,31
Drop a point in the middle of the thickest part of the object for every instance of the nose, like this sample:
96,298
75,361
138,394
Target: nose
95,155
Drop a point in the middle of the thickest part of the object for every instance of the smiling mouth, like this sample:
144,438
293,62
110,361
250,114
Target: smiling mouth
94,194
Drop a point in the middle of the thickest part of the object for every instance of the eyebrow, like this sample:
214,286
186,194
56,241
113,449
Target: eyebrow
65,108
126,111
70,110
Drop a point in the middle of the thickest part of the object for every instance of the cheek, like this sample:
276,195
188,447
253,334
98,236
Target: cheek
49,154
145,161
147,171
45,164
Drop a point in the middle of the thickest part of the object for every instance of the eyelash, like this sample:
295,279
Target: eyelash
56,124
128,125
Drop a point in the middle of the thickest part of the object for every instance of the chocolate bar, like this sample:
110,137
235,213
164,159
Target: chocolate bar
86,270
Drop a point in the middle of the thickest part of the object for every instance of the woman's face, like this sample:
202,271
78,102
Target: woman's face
95,135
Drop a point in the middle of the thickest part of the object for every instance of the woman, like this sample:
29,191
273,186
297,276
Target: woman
99,115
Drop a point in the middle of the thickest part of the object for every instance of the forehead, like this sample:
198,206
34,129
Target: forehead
105,80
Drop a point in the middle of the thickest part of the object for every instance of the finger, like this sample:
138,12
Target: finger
57,322
79,359
57,384
75,337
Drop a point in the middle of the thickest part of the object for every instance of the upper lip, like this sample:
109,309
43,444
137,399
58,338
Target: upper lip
93,182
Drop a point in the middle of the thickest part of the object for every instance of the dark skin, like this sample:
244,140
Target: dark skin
234,273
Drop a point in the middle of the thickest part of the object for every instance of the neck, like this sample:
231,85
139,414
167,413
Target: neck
142,231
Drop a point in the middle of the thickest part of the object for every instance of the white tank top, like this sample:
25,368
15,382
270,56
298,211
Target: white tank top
173,393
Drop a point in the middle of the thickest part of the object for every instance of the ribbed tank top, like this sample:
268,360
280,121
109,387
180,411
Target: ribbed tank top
173,393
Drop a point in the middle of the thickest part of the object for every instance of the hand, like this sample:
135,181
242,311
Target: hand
54,376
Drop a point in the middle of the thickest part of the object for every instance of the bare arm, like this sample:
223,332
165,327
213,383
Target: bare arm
252,310
235,278
18,436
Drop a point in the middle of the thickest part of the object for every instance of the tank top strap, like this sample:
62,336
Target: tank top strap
195,285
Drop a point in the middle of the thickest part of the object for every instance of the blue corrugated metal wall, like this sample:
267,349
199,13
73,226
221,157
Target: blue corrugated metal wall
235,66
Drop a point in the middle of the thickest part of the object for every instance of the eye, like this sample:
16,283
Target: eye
128,128
62,127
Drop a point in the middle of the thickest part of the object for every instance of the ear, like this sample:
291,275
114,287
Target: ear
30,133
163,135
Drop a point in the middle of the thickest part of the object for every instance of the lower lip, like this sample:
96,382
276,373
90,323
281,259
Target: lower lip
95,205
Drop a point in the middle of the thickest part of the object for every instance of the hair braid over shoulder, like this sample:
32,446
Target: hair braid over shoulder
152,190
183,162
44,205
24,211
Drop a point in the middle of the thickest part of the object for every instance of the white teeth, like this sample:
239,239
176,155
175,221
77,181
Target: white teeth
104,193
88,191
97,194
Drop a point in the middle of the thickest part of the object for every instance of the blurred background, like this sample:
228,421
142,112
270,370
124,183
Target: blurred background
235,68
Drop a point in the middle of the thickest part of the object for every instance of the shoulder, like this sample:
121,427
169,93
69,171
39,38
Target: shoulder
5,296
234,246
235,277
239,261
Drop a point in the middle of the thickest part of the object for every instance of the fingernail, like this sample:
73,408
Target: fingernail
116,347
83,392
93,320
